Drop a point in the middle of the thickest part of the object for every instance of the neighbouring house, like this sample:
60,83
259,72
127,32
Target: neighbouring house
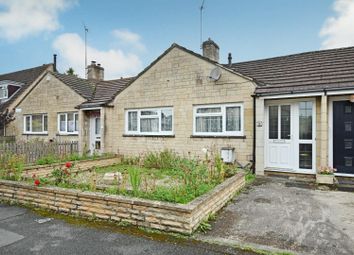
14,86
304,111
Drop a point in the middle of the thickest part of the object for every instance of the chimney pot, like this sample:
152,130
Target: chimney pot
211,50
55,62
230,59
93,62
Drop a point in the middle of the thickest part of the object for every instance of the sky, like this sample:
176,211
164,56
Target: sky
125,36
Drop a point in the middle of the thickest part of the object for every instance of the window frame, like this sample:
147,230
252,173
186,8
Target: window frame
223,115
139,117
66,132
43,132
6,89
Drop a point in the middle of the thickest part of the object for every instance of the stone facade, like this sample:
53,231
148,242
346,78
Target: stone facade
141,212
180,80
50,96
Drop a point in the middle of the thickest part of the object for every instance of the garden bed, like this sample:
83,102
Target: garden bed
181,218
159,189
81,165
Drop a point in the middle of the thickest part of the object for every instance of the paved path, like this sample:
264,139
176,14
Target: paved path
20,233
278,214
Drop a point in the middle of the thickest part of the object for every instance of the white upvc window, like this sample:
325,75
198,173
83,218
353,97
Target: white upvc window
68,123
35,124
152,121
4,92
218,120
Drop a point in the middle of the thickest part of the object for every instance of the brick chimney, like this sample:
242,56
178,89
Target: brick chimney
95,72
211,50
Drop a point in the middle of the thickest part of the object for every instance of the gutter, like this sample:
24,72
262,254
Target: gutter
302,92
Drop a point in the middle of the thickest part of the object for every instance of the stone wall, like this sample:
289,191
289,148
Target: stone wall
43,170
141,212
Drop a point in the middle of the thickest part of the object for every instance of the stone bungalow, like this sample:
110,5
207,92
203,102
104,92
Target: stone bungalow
288,114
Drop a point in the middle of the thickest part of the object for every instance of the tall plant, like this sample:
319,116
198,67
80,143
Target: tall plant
135,179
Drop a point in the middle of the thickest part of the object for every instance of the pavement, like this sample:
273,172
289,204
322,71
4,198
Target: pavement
278,214
23,231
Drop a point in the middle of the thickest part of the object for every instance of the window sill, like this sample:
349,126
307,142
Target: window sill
67,134
219,136
157,136
34,133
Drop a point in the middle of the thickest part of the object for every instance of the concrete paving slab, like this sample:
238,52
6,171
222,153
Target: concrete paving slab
8,237
277,215
10,211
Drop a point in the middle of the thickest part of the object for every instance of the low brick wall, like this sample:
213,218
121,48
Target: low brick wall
141,212
43,170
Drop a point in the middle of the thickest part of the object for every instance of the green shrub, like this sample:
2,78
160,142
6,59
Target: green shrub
49,159
165,159
12,167
135,179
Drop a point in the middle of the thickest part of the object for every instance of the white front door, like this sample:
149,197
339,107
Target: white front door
279,136
95,135
290,138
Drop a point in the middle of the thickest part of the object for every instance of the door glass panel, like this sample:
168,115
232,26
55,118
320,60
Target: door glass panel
348,126
285,122
305,156
348,161
305,120
348,144
348,109
97,126
273,122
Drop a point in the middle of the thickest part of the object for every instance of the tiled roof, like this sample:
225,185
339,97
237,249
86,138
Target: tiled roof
106,91
83,87
25,77
304,72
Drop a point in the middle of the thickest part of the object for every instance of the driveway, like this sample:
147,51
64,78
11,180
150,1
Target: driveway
278,214
25,232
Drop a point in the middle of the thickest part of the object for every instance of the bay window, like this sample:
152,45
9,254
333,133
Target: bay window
155,121
68,123
218,120
36,124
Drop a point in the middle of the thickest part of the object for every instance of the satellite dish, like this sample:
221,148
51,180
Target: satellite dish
215,74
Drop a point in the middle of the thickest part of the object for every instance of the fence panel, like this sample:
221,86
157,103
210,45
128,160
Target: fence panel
7,139
32,151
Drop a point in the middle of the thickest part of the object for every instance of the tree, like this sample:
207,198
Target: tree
71,71
6,117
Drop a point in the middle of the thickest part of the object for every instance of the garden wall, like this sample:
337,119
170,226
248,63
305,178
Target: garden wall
141,212
43,170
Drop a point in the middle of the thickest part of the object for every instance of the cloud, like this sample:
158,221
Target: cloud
129,38
21,18
337,30
71,53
